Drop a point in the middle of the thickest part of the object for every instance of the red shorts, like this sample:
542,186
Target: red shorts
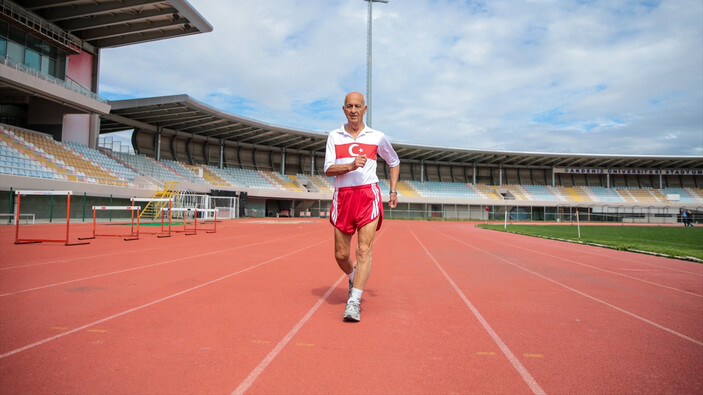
354,207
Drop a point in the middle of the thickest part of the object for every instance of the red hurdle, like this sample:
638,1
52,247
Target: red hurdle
132,235
170,203
195,211
19,240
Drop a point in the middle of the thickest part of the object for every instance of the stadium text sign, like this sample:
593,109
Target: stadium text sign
596,170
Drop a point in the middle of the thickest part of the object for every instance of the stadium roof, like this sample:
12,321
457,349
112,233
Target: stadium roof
114,23
182,115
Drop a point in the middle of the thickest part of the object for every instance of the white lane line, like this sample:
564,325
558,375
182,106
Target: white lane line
662,327
526,376
620,257
599,268
52,338
116,253
244,385
145,266
249,380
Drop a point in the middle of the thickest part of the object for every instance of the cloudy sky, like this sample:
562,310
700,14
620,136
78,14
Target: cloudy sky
567,76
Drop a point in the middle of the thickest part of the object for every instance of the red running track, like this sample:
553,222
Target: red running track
257,308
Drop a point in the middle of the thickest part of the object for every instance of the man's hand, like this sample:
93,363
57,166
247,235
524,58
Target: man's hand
393,202
359,161
337,170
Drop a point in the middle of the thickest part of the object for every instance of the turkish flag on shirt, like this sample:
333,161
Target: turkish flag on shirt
356,149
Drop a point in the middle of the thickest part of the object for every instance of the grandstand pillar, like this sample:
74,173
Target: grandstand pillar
661,180
94,131
220,162
422,171
473,176
172,146
206,151
553,178
188,153
607,180
283,161
312,163
500,175
157,144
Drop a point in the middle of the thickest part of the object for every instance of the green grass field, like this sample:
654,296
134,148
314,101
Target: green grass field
673,241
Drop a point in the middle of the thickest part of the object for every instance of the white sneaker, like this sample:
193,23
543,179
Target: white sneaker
352,313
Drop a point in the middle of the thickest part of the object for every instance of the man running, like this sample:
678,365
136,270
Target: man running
356,205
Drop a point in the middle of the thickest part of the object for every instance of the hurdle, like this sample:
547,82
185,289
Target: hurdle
68,194
160,234
127,237
195,212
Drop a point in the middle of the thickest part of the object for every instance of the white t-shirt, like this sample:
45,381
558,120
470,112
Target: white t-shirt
342,148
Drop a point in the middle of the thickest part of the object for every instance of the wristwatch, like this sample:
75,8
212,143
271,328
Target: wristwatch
392,191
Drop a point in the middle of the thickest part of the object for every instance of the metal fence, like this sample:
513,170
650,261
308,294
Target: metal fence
556,214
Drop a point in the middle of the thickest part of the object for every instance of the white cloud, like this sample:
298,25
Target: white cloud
559,76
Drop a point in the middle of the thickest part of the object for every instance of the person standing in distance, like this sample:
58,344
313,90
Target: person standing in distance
350,158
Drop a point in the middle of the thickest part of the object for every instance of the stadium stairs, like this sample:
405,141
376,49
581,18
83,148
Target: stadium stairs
152,210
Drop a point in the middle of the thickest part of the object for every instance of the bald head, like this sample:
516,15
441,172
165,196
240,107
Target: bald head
355,108
355,97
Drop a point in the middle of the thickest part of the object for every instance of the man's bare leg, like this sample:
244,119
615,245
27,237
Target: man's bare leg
364,247
363,267
342,251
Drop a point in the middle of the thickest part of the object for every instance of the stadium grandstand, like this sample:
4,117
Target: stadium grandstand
55,135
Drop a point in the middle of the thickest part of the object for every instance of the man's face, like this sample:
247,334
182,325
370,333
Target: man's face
354,108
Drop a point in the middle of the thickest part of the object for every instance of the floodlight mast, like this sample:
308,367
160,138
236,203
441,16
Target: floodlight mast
368,59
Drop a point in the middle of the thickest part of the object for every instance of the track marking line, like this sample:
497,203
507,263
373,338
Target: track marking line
305,344
662,327
31,265
665,269
97,330
145,266
261,341
619,257
120,252
519,367
100,321
601,269
485,353
533,355
249,380
59,328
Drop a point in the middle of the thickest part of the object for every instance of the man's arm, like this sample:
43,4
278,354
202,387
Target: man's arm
336,170
395,172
